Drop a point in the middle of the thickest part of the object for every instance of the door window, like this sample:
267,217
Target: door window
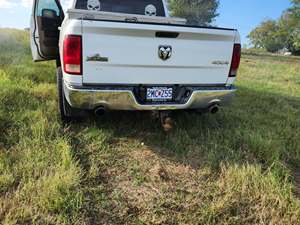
47,4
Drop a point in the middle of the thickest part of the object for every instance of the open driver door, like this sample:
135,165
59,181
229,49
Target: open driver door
46,18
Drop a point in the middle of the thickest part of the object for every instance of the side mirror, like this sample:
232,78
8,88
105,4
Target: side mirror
49,13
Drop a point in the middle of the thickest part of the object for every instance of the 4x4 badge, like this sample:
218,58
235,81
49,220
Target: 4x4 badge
97,57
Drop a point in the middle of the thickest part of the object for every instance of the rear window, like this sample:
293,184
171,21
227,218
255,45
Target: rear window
140,7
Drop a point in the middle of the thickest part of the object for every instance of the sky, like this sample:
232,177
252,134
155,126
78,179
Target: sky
243,15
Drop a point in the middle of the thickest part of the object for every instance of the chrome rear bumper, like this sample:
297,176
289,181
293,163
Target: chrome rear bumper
124,99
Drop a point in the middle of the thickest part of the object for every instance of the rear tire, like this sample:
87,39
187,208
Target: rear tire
67,113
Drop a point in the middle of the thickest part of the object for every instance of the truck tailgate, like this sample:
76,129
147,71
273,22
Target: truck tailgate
127,53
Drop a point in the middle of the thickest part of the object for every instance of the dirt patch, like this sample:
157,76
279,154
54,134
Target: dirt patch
152,183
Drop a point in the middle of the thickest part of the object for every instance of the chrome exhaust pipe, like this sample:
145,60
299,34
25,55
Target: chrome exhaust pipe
100,111
213,109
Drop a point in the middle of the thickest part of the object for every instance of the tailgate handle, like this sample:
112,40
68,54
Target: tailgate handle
166,34
131,19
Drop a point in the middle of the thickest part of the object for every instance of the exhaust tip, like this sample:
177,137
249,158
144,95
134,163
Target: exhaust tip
100,111
213,109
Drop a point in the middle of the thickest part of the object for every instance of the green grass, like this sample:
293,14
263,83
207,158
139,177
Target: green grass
231,168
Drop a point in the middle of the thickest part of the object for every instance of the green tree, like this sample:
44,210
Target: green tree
268,36
290,27
275,35
197,12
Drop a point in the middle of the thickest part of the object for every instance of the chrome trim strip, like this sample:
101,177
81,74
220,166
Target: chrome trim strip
116,99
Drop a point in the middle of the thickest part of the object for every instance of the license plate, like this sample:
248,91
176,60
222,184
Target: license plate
159,94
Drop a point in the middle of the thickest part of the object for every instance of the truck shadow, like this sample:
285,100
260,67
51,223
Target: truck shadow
258,128
129,148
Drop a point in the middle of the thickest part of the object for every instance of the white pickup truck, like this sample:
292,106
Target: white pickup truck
130,55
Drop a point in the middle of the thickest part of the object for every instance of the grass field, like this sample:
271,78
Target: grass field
235,167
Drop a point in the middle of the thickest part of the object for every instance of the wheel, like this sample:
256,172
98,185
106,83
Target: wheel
64,107
67,113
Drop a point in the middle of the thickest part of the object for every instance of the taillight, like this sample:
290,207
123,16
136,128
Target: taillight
235,63
72,54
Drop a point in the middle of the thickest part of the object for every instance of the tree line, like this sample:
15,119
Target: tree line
284,33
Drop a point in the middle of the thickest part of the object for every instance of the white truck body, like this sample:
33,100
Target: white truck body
124,55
